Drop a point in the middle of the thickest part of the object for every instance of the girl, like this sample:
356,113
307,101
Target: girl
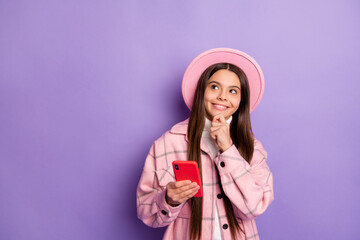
221,87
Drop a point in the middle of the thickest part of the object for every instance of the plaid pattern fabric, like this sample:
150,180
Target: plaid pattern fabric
249,187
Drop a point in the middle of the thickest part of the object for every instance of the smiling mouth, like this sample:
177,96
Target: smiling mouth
220,107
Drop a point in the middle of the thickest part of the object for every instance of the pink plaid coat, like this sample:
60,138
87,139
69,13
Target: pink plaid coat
249,187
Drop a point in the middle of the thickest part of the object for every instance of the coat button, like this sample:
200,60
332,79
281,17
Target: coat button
222,164
219,196
225,226
163,212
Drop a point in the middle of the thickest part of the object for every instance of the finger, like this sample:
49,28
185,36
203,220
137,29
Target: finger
188,194
215,124
213,135
219,118
214,129
216,118
218,131
184,194
178,190
217,134
222,119
189,191
187,187
182,183
221,132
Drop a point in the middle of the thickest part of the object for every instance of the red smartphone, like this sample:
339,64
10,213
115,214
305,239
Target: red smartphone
188,170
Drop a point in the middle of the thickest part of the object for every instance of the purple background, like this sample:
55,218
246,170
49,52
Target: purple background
87,86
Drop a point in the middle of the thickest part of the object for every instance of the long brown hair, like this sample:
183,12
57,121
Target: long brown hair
241,135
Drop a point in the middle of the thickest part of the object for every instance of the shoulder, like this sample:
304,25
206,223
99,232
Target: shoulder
176,133
258,145
259,151
180,128
170,146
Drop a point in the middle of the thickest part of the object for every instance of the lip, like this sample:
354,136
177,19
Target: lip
219,107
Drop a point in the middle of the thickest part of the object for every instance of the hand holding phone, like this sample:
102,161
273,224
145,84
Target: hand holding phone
187,185
180,191
188,170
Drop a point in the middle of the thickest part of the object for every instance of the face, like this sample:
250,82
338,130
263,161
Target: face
222,94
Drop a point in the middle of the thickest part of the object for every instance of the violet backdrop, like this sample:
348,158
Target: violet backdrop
87,86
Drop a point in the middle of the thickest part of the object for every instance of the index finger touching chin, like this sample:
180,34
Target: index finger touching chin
219,118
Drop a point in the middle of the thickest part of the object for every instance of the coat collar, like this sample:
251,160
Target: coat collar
181,129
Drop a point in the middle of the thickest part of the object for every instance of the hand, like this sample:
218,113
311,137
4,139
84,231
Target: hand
180,191
220,132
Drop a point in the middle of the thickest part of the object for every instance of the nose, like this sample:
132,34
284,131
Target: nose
222,95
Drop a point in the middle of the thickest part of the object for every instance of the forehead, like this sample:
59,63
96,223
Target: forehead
225,77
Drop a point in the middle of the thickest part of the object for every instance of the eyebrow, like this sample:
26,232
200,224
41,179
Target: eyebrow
234,86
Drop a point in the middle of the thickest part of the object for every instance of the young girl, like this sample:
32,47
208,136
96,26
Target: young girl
221,87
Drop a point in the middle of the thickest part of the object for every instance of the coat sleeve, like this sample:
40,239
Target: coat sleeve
152,207
249,187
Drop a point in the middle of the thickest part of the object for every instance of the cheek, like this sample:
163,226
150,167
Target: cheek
236,102
207,96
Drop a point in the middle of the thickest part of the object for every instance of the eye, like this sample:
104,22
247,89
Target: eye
233,91
215,87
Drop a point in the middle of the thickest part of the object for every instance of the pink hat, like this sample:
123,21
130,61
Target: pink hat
224,55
